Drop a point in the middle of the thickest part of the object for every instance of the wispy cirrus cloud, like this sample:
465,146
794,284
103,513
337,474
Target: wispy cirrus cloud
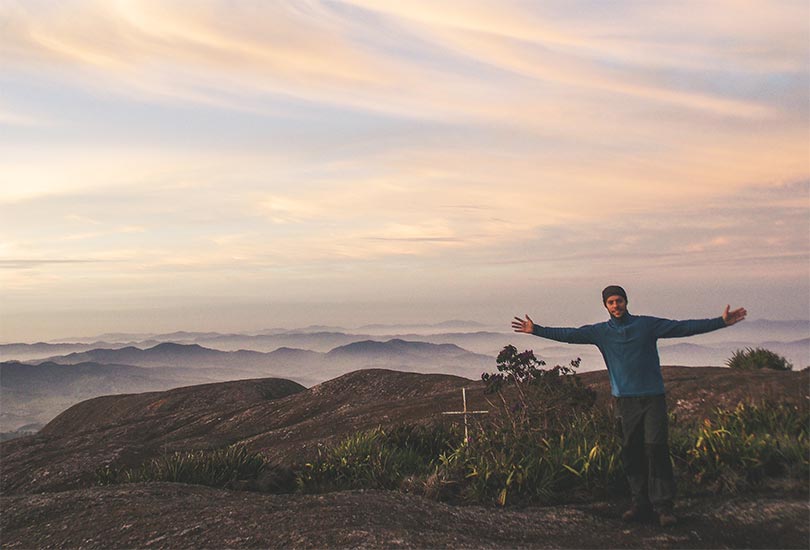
218,55
234,56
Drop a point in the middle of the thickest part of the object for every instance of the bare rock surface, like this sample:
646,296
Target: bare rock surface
165,515
274,416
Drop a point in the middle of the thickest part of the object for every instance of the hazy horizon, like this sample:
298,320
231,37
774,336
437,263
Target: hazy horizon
374,330
238,166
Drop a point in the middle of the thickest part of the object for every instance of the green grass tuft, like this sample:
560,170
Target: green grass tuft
758,358
215,468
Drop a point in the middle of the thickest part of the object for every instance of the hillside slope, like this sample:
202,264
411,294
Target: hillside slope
128,429
278,417
36,393
285,421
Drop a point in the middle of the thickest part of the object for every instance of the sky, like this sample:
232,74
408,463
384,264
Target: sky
236,166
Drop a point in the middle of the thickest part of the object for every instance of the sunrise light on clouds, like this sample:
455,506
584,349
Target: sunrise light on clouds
234,166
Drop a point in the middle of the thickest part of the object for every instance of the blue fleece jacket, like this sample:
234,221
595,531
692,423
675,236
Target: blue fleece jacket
629,346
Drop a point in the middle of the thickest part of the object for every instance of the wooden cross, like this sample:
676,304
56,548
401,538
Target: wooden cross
465,413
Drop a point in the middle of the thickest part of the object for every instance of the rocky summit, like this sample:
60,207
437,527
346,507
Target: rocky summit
49,499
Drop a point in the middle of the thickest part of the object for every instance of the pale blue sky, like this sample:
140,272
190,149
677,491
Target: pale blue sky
239,165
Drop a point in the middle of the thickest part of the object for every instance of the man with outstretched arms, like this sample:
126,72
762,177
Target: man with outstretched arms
628,344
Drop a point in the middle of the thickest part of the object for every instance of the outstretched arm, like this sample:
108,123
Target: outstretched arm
666,328
581,335
731,317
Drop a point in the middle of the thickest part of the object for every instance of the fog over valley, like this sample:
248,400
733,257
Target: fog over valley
40,380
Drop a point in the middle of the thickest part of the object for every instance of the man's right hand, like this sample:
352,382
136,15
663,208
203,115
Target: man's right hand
523,325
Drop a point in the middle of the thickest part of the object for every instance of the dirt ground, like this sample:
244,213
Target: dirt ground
165,515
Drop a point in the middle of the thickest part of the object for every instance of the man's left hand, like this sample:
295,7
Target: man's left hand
731,317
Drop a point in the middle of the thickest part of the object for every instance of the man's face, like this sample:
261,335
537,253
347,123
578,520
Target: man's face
616,305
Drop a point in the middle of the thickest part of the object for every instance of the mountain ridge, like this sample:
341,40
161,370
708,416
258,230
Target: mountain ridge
171,364
288,422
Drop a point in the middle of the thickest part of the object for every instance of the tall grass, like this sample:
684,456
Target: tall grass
739,448
730,451
378,458
507,467
216,468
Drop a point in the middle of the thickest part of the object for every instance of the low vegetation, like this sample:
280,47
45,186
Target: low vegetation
545,441
216,468
758,358
379,458
740,448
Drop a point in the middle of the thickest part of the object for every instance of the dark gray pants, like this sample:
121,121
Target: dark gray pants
642,423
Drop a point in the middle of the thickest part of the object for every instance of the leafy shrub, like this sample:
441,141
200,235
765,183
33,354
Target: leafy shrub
531,398
758,358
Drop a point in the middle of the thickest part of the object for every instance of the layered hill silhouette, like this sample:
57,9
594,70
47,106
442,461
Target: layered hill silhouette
785,336
34,392
309,356
305,365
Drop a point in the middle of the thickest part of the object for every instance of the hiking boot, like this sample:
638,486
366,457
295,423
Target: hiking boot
667,518
638,513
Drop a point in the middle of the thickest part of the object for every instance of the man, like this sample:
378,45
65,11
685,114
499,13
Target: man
628,344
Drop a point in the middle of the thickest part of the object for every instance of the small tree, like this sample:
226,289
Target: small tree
541,396
758,358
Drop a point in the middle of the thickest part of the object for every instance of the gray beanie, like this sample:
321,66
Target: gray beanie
613,290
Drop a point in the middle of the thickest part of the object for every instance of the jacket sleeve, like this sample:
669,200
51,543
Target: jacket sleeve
667,328
582,335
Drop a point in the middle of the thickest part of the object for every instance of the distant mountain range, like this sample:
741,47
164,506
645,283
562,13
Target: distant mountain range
36,391
314,354
167,354
759,329
323,339
673,352
288,361
186,336
488,343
